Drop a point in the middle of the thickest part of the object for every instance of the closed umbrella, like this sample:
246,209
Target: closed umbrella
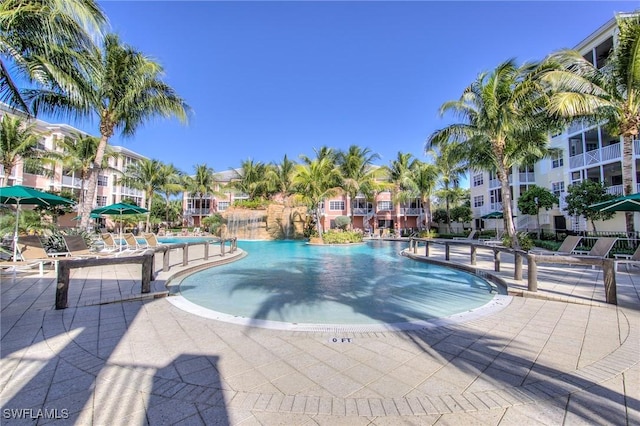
23,195
119,209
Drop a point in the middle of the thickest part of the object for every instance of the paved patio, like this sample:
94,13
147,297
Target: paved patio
114,357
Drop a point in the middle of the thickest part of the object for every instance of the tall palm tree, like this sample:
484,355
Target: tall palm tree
250,179
144,175
202,184
400,180
423,178
314,182
501,125
451,168
610,94
125,91
43,41
19,141
170,183
78,155
358,175
279,178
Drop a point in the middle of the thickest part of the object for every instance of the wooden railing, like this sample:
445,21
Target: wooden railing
146,259
608,265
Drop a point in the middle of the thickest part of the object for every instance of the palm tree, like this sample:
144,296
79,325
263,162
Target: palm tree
279,178
250,179
125,91
44,40
609,94
170,183
451,168
501,125
400,180
358,175
144,175
78,155
19,141
314,182
423,178
202,184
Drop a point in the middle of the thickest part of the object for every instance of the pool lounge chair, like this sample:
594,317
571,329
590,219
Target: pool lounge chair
469,237
601,248
109,243
151,239
77,247
32,253
132,244
566,248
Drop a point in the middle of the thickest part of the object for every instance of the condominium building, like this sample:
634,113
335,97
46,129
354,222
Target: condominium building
586,152
57,178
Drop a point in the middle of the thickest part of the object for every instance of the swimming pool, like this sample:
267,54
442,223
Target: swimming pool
293,283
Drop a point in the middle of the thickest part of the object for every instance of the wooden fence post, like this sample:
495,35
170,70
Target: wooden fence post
206,250
446,251
147,272
609,272
185,254
62,287
222,247
517,266
532,273
165,259
496,260
426,248
473,254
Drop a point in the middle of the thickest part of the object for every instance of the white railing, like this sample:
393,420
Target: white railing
124,190
611,152
563,201
197,212
361,211
615,190
527,177
72,181
576,161
593,156
495,183
412,211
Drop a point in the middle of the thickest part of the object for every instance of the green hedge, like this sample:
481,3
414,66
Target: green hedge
342,237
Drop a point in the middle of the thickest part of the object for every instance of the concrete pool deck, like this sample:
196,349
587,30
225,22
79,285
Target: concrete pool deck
113,357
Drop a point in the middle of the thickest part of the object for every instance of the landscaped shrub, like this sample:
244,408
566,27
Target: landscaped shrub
342,222
251,204
526,242
546,244
428,234
342,237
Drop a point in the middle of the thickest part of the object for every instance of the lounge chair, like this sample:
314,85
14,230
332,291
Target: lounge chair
109,242
32,253
77,247
132,244
152,240
601,248
471,236
497,240
566,248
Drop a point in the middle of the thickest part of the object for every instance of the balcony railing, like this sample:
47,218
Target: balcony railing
197,212
72,182
495,183
527,177
131,192
615,190
595,156
410,211
361,211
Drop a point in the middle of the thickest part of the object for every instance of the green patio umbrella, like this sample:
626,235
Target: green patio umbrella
627,203
23,195
119,209
493,215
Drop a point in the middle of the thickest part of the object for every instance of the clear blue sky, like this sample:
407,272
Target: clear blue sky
266,79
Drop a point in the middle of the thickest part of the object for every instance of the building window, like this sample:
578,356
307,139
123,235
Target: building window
223,205
101,200
385,205
103,180
336,205
478,201
478,179
557,188
557,160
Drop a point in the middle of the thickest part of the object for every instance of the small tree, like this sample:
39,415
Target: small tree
461,214
342,222
581,195
534,199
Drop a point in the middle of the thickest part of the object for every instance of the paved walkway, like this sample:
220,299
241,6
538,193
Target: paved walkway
145,361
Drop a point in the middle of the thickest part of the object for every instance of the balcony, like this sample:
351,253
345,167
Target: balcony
527,177
197,212
495,183
73,182
602,155
410,211
361,211
616,190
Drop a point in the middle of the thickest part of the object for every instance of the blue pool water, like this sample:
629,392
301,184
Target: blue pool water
362,284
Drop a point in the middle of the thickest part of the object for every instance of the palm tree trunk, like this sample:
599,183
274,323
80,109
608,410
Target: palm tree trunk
318,224
92,185
627,176
149,200
503,177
